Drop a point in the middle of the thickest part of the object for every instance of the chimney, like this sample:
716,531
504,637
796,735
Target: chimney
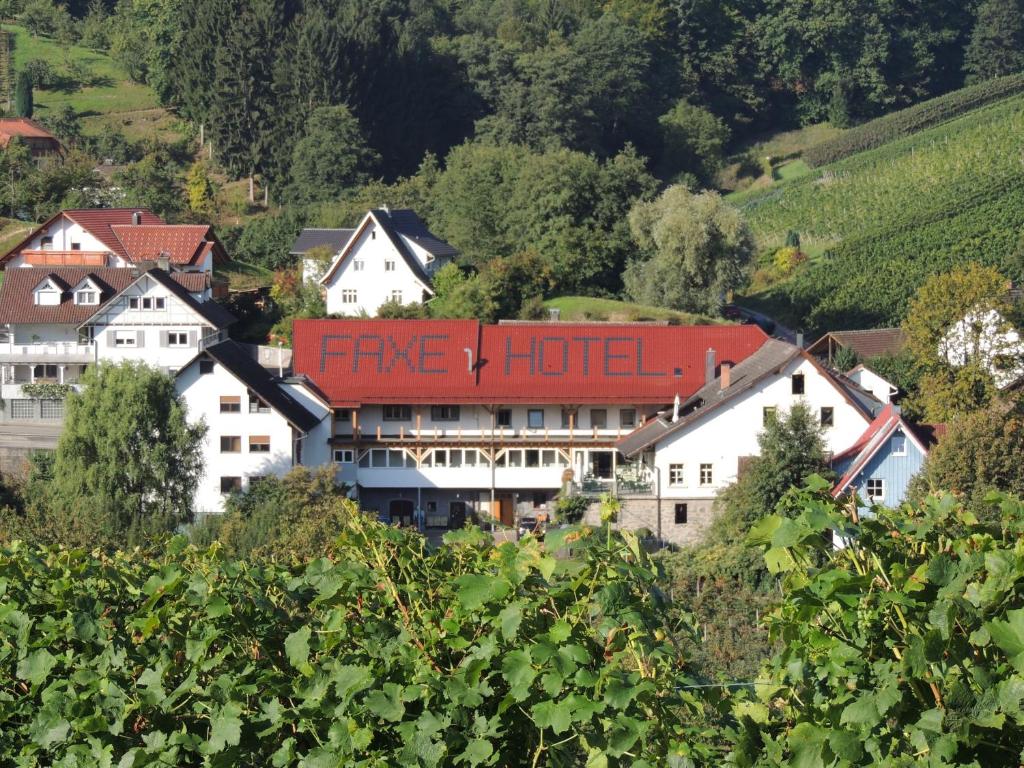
800,339
726,376
709,366
136,218
163,261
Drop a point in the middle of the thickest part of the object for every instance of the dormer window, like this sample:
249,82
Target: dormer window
47,294
87,297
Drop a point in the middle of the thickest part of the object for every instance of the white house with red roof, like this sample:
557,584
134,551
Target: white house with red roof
116,237
451,419
390,256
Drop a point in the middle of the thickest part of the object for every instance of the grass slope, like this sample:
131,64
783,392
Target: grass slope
112,100
891,216
242,276
574,308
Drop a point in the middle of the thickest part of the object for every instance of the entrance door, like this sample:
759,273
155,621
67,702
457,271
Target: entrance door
401,512
601,464
505,510
457,515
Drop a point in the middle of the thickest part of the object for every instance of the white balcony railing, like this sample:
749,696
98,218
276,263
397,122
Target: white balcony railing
47,352
499,434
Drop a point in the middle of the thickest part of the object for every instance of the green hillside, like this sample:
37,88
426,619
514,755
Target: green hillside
578,308
107,98
886,218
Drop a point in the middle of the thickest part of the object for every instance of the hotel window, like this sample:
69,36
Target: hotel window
86,297
230,484
627,417
535,418
259,443
256,405
230,404
707,476
147,303
397,413
876,489
504,417
681,511
133,302
42,371
177,339
532,456
205,367
550,458
798,383
828,417
598,418
768,414
677,474
396,296
126,339
358,265
389,265
159,303
230,444
899,445
349,296
444,412
344,456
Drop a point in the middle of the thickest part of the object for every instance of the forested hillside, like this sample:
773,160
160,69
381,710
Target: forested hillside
888,217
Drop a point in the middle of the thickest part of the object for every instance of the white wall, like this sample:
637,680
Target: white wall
24,333
867,379
730,432
65,232
316,449
202,393
373,285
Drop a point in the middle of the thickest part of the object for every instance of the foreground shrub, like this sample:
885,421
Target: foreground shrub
392,654
904,648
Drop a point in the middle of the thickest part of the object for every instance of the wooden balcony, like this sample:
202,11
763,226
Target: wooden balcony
49,258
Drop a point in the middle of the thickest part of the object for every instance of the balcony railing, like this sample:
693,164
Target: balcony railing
49,258
500,434
47,352
631,479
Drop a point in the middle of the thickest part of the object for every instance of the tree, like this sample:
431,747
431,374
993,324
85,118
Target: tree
395,310
201,190
996,47
23,95
695,249
981,452
295,517
127,463
40,17
692,141
331,157
153,182
458,295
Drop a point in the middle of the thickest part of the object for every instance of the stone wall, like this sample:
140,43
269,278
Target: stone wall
641,512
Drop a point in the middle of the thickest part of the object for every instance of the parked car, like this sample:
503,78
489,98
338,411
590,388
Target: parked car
538,526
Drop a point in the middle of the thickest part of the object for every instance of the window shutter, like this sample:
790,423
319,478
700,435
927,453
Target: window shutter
111,338
192,339
163,338
140,338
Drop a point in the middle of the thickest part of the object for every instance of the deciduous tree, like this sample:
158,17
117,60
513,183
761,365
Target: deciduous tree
996,47
331,157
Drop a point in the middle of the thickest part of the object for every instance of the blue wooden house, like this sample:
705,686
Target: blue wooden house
878,467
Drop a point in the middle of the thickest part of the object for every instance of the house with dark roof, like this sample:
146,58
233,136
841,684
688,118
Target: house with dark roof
258,425
116,237
390,256
865,344
56,321
878,467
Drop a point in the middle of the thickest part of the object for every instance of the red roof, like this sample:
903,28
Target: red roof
22,126
462,361
181,243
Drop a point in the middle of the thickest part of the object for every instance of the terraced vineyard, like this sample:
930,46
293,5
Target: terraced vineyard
893,215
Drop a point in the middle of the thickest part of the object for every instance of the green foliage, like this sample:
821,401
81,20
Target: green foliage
292,518
201,190
396,310
389,654
905,122
126,464
996,47
845,359
45,390
23,95
895,223
900,649
693,141
331,157
570,509
42,17
267,240
153,182
696,249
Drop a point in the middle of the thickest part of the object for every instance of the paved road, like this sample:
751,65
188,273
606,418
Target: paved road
780,332
28,435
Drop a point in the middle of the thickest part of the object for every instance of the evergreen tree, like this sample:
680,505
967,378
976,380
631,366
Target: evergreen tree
996,47
331,157
23,95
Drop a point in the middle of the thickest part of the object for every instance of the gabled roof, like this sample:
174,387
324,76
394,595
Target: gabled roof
54,279
312,237
887,423
210,310
238,362
395,225
356,361
866,343
22,126
17,300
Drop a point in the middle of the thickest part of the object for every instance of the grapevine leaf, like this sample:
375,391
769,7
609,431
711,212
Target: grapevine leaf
550,714
477,752
36,666
477,589
517,669
225,728
1009,636
560,631
296,646
863,711
510,617
387,703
